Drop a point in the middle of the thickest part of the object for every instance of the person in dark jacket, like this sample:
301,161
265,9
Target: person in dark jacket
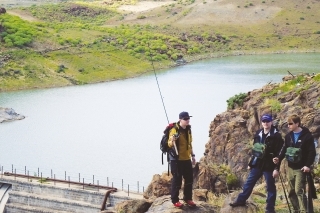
301,138
263,165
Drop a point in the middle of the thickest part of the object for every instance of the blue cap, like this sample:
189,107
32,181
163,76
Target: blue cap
266,117
184,115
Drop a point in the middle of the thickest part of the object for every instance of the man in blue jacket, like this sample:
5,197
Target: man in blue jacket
261,163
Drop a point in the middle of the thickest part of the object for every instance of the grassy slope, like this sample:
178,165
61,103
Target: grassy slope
88,57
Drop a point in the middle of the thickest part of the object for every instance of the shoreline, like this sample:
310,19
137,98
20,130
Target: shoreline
188,59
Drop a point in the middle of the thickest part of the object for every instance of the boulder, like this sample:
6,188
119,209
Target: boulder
200,195
159,186
251,207
133,206
3,10
8,114
163,205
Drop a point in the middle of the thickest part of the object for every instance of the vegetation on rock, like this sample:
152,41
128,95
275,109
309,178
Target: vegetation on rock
236,100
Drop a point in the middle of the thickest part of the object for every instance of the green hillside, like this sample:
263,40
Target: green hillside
79,42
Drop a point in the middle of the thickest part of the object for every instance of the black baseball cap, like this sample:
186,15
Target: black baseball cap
183,115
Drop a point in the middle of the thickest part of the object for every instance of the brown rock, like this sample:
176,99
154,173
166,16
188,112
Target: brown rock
251,207
159,186
2,10
287,78
133,206
200,195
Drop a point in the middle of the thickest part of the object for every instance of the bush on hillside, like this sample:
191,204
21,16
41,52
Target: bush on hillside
16,32
71,12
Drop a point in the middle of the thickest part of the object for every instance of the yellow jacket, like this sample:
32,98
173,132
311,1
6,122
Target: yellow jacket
183,143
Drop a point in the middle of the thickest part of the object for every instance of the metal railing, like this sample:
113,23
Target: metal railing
87,183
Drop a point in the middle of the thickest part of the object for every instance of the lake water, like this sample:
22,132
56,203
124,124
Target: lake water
112,130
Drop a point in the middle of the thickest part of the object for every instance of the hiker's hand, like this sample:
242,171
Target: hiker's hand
170,141
275,174
275,160
305,169
248,167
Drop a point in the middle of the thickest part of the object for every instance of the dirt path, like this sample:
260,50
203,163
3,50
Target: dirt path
23,15
144,6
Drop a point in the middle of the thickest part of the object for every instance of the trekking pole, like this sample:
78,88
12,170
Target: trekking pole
308,205
284,190
227,186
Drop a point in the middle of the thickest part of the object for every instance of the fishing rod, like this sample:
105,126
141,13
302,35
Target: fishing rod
154,71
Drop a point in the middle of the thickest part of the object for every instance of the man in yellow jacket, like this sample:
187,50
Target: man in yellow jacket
180,155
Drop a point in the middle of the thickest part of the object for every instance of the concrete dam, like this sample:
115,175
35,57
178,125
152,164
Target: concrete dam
21,195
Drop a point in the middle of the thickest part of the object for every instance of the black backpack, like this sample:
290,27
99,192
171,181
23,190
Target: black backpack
164,140
164,143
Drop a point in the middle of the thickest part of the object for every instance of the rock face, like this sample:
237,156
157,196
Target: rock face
8,114
163,205
231,132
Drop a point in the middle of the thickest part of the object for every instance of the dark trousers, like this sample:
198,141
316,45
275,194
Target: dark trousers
253,177
181,169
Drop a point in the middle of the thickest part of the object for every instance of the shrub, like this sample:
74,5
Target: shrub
61,68
274,105
17,32
236,100
141,17
232,180
174,56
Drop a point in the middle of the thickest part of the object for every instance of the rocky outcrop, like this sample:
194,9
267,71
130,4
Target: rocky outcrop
231,132
163,205
8,114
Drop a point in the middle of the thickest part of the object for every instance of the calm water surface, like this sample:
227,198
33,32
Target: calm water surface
112,130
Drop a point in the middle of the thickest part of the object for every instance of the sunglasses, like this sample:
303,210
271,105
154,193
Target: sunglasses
290,124
185,119
265,121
